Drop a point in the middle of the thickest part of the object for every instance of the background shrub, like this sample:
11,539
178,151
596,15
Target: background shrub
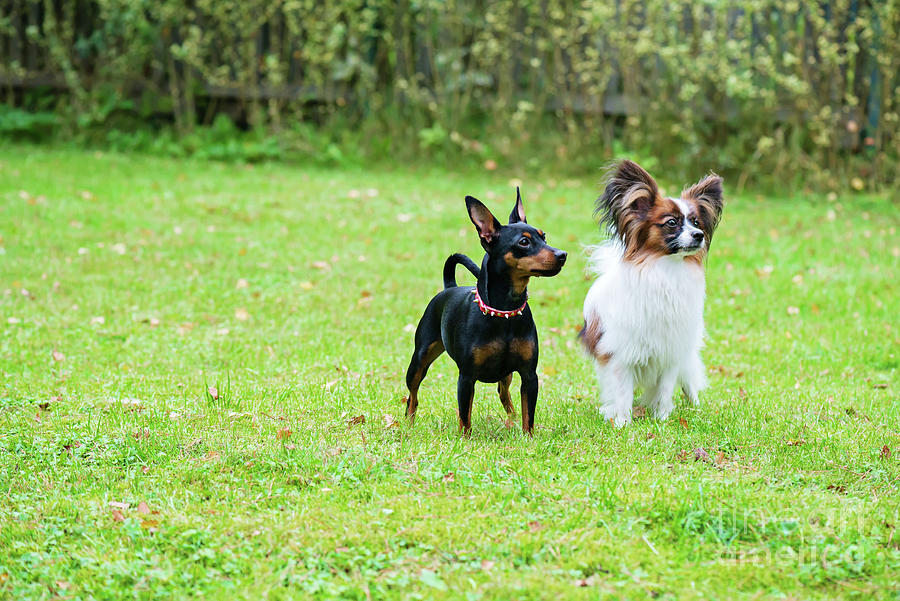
797,92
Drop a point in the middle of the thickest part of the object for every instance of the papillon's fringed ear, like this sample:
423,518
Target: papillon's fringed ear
629,194
487,225
518,212
707,193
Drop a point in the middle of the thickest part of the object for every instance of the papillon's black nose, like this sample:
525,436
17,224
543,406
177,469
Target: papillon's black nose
698,236
561,257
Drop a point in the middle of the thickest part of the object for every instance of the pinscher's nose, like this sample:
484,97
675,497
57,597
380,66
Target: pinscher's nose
561,257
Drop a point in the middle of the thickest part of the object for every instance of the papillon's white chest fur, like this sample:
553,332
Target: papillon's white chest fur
643,316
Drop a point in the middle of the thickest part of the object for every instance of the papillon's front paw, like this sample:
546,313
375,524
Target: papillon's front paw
618,417
663,410
691,396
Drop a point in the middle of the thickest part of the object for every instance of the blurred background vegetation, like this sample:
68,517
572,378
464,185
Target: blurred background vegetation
770,93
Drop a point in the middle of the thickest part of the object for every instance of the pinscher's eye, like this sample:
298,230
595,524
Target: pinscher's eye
671,223
523,241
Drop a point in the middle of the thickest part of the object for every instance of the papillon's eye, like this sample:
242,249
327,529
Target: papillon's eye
695,222
523,241
671,223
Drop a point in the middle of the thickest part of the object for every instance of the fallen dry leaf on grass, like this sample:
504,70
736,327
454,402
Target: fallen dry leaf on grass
117,516
449,477
700,454
119,504
585,582
143,508
639,412
213,392
241,314
683,423
390,422
885,452
796,443
58,356
283,434
131,405
359,419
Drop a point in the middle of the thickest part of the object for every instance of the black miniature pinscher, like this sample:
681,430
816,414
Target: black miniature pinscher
487,329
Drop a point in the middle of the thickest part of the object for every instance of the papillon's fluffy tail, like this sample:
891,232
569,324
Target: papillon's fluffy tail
602,257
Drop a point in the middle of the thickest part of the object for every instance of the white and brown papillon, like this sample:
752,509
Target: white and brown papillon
643,316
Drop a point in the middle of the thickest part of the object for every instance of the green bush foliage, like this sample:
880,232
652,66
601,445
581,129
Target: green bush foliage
791,91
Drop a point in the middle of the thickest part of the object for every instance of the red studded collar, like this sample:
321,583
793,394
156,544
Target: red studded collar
488,310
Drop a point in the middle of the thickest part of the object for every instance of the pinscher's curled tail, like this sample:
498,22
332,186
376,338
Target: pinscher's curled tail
450,268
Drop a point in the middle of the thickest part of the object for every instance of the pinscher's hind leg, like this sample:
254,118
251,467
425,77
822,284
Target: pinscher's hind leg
429,347
505,400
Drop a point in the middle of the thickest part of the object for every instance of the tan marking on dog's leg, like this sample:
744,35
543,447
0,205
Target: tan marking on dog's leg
506,400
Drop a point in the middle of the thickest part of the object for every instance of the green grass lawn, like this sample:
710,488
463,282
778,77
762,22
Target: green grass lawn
130,286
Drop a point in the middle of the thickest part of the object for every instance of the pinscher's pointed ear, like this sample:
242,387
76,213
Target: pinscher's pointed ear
518,212
487,225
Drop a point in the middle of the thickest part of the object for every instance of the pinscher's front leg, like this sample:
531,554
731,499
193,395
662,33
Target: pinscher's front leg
529,400
465,393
